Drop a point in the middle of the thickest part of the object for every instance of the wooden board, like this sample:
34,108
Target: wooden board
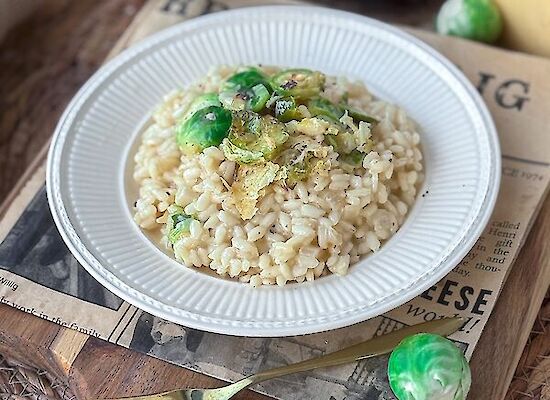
95,369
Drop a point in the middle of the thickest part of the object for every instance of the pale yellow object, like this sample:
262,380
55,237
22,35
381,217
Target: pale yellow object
526,25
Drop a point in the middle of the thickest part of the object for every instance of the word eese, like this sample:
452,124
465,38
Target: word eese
462,299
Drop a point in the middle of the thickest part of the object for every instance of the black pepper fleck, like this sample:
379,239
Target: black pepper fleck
291,83
242,96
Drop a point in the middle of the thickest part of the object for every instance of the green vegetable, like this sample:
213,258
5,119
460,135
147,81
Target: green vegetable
319,106
206,127
247,79
179,224
358,115
472,19
322,107
300,162
299,171
355,158
248,185
200,102
299,83
260,96
287,110
345,97
343,142
242,156
257,134
248,90
428,367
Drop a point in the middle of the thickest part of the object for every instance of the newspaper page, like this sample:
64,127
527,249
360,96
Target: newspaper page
39,275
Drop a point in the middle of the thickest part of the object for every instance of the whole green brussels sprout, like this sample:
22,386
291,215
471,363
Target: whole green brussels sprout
471,19
428,367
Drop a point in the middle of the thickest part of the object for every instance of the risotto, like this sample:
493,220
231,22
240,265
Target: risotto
272,176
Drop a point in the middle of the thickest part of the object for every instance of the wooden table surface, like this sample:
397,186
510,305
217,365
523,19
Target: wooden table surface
46,59
43,62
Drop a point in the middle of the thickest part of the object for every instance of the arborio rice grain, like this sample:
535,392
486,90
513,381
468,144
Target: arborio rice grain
322,225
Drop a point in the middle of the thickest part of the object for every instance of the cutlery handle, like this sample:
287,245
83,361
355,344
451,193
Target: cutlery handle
370,348
376,346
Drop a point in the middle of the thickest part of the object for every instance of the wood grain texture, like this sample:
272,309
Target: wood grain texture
46,59
501,344
100,369
107,371
44,62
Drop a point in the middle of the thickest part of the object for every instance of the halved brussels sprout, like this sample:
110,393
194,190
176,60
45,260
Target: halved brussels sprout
242,156
206,127
299,83
247,79
200,102
257,133
248,90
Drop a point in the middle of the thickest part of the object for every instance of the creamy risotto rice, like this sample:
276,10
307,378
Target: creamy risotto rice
319,192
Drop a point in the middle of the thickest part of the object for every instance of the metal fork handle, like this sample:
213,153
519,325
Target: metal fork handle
377,346
370,348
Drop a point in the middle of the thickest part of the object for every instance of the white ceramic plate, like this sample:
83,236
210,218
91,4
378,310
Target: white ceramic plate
93,141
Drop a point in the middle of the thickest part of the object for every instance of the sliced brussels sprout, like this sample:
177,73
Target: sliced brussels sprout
257,133
355,158
287,110
259,98
358,115
299,171
179,224
200,102
299,162
247,79
343,142
239,155
299,83
319,106
345,97
336,123
246,90
302,170
206,127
